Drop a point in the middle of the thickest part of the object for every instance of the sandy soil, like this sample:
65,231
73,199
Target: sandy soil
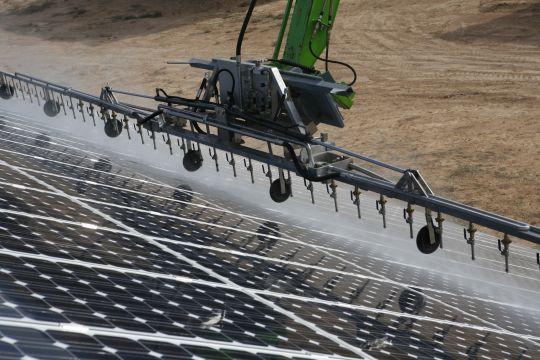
450,87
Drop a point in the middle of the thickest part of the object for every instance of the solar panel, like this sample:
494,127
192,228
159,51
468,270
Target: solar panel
103,258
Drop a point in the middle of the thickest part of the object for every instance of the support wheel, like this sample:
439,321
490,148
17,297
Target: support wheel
51,108
192,160
113,128
424,243
6,91
276,194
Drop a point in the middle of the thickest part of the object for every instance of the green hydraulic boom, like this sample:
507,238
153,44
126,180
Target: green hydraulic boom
308,39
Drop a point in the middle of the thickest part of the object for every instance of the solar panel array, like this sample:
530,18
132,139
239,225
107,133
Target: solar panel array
101,261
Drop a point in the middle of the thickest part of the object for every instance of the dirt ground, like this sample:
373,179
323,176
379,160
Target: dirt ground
450,87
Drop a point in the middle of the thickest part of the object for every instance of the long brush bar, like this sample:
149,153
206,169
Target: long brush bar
172,115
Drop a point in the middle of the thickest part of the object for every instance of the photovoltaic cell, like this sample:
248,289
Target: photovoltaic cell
100,261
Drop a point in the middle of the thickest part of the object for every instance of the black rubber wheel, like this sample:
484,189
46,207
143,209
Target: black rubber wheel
113,128
423,242
42,141
103,165
51,108
192,160
275,191
6,91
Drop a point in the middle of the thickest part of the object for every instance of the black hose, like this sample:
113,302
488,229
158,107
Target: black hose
233,86
198,128
303,171
195,124
178,100
149,117
208,105
269,125
244,28
353,70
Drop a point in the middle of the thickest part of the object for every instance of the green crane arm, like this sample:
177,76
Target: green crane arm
308,36
310,28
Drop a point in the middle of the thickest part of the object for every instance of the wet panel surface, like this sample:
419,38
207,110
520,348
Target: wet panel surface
99,260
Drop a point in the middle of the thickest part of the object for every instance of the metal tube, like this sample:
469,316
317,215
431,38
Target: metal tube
132,94
357,156
35,79
435,203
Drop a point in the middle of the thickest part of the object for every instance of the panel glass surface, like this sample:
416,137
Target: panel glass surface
106,259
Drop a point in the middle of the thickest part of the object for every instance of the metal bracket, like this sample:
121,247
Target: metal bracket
231,162
381,207
108,96
309,186
126,126
439,219
408,216
413,182
268,173
214,156
504,248
431,227
355,198
331,189
470,239
168,142
249,167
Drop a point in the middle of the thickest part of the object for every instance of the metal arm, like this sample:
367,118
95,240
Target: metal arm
311,23
308,38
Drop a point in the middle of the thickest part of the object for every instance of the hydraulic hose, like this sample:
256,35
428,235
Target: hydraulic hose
149,117
344,64
233,86
244,29
327,50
